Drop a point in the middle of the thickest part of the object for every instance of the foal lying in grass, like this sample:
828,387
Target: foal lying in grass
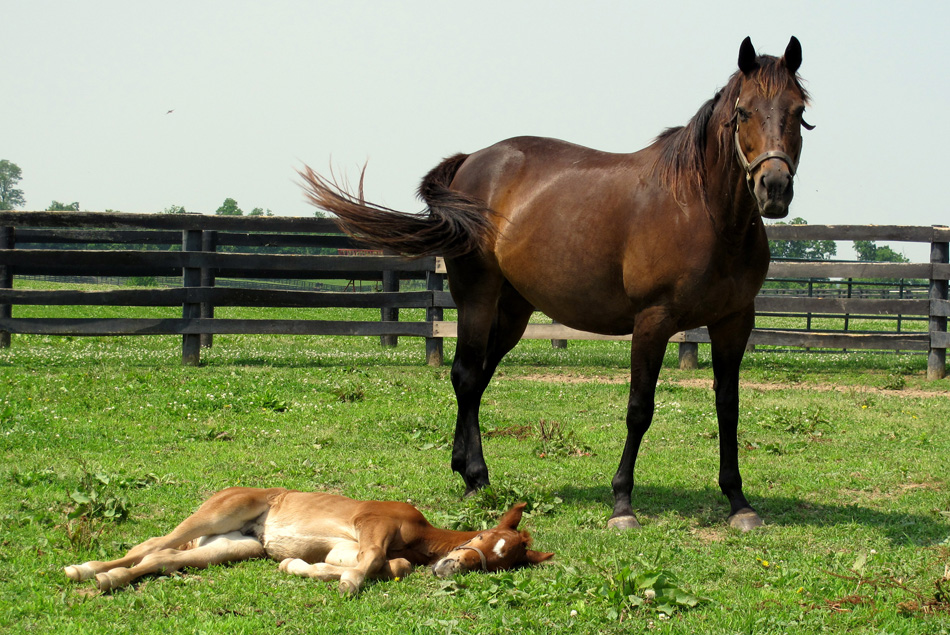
317,535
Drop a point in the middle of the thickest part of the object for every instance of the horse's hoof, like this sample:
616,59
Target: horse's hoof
294,566
745,520
348,589
471,490
623,523
79,572
105,583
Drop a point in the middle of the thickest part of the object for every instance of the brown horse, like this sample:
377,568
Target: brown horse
316,535
650,243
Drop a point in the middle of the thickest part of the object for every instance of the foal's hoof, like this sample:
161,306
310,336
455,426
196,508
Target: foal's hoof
79,572
623,523
348,589
745,520
113,579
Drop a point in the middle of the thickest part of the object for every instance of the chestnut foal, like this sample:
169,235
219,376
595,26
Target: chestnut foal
317,535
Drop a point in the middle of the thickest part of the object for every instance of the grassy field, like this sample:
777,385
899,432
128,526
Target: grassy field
105,442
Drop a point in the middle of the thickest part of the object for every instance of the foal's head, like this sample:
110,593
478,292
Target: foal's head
503,547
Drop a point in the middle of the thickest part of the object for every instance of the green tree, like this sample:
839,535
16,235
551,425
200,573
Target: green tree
229,208
173,209
260,211
802,249
56,206
869,251
10,196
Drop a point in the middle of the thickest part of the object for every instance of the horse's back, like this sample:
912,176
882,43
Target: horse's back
573,224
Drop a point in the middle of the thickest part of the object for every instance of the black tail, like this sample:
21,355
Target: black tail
453,225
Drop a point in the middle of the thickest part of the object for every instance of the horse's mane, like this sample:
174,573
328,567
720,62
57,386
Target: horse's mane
681,163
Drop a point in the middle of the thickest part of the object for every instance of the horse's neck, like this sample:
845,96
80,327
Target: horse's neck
729,203
438,542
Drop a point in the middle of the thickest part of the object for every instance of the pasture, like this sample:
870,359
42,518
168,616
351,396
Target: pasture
107,441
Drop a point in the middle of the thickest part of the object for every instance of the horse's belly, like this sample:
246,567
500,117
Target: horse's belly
595,303
312,542
308,548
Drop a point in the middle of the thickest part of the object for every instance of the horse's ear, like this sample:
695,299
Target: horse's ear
512,517
537,557
793,54
747,62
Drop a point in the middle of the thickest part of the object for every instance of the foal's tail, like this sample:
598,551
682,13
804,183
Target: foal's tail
454,224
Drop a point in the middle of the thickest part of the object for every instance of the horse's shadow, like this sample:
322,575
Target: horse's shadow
709,508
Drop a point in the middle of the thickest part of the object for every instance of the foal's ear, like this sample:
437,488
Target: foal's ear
512,517
747,62
537,557
793,54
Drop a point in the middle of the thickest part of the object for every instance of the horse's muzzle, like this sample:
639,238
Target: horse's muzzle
447,567
773,189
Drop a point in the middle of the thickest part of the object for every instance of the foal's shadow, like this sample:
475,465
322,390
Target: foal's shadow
709,507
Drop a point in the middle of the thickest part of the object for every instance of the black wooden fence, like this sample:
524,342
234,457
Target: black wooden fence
201,250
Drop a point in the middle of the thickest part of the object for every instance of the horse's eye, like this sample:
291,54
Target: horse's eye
743,114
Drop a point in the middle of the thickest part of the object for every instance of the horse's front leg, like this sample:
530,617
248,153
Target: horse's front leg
646,359
729,338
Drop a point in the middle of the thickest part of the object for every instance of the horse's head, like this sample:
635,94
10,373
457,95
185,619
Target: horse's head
503,547
767,125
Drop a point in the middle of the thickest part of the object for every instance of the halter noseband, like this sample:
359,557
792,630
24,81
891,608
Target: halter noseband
481,554
750,166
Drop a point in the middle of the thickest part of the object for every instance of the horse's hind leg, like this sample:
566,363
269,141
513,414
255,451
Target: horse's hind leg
230,547
228,510
729,339
490,324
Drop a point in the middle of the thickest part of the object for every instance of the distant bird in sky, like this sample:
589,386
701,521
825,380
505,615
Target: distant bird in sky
170,111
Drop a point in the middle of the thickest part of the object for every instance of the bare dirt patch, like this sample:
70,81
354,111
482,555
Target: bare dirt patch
559,378
709,534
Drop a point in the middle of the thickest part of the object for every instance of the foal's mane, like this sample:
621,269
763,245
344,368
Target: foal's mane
681,164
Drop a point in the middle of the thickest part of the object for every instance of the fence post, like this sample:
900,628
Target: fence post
209,242
191,277
689,355
434,352
6,282
937,357
558,343
389,314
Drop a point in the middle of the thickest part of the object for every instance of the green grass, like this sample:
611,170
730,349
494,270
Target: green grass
845,456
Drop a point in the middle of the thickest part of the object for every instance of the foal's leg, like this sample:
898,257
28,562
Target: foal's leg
729,339
230,547
228,510
489,327
338,563
353,563
650,336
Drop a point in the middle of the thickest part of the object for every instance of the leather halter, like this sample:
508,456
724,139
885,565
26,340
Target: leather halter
750,166
481,554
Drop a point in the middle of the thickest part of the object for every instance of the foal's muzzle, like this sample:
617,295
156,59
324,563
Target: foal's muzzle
452,563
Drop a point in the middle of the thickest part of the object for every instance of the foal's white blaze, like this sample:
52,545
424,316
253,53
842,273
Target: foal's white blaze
498,547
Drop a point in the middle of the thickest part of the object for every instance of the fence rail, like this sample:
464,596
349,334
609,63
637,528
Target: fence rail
199,250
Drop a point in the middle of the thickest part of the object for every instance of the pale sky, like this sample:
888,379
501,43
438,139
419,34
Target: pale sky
259,88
